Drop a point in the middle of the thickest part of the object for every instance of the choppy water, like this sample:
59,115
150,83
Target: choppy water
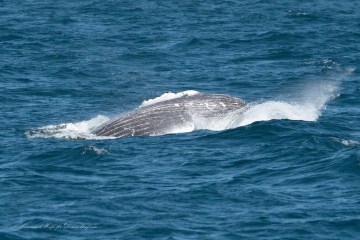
287,169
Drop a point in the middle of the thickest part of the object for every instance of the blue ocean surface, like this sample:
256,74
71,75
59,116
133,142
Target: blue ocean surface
287,168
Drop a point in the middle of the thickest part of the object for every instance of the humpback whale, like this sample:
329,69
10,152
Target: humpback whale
167,115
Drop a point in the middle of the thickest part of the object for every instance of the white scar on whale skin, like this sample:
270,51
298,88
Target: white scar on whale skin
173,113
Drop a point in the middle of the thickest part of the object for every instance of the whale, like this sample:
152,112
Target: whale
166,115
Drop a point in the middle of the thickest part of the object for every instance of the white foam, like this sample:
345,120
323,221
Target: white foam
188,127
350,143
97,150
272,110
168,96
77,130
350,70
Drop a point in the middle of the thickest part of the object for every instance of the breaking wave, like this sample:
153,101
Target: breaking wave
307,108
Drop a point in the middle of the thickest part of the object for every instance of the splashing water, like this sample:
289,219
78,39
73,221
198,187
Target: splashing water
276,110
168,96
308,108
77,130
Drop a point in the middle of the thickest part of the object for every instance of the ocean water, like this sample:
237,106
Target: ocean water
287,168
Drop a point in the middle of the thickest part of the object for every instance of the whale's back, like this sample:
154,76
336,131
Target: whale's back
165,116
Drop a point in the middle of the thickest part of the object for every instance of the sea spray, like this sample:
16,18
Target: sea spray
313,99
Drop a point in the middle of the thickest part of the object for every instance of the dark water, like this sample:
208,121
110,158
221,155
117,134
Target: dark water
64,63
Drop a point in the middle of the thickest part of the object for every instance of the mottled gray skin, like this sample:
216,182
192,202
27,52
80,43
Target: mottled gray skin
159,118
